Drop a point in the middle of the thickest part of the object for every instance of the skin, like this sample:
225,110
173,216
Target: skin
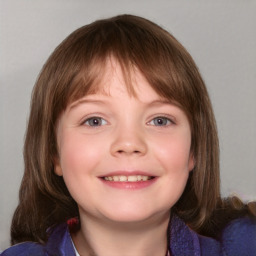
142,133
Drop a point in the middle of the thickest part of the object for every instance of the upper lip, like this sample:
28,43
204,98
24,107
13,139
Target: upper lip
127,173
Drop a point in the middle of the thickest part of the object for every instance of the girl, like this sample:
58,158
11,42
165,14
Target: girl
121,153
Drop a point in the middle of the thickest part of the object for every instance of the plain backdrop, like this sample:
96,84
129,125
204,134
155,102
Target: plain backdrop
219,34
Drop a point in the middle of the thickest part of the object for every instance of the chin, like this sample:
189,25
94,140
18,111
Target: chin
136,216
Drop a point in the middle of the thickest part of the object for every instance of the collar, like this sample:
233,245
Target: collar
183,241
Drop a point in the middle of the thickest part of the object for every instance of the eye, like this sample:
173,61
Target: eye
161,121
95,121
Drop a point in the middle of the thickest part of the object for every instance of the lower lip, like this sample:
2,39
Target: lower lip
129,185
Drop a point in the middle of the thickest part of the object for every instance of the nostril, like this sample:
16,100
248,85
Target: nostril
123,151
125,147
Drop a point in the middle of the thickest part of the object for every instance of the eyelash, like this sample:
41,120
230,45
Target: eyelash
167,121
96,121
99,121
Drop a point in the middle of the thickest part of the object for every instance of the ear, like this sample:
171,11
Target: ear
191,162
57,166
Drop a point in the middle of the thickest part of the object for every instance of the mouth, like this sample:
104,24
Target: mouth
131,180
128,178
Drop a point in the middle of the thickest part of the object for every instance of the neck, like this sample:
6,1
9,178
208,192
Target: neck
107,238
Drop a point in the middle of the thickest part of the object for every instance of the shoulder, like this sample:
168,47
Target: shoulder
59,243
237,238
240,236
25,249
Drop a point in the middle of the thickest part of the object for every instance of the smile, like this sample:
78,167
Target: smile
130,178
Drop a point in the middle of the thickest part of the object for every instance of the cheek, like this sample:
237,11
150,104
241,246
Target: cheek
79,158
174,153
79,154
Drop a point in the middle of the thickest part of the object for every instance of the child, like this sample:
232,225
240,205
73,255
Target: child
121,153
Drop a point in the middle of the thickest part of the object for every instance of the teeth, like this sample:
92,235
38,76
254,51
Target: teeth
144,178
132,178
115,178
122,178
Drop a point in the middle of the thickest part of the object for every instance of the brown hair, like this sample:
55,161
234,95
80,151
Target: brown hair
71,72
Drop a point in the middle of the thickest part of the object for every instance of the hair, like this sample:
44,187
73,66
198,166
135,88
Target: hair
71,72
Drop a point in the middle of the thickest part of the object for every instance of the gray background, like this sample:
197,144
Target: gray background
219,34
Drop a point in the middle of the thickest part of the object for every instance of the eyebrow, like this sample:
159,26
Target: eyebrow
102,102
160,102
83,101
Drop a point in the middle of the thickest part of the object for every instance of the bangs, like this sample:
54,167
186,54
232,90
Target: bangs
91,79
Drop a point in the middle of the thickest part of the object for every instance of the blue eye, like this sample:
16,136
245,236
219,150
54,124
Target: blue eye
95,121
160,121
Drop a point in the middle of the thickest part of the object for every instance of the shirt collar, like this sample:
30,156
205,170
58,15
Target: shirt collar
183,240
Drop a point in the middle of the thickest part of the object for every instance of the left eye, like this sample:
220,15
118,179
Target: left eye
95,121
160,121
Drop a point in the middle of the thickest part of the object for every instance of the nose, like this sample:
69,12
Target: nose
128,142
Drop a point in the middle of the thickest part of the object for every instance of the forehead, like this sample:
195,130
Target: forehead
112,78
114,85
120,80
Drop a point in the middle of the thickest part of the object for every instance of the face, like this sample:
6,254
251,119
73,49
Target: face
124,158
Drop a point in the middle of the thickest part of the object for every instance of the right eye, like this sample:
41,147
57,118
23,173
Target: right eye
95,121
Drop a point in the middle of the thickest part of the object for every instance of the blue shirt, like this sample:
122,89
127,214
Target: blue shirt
238,239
